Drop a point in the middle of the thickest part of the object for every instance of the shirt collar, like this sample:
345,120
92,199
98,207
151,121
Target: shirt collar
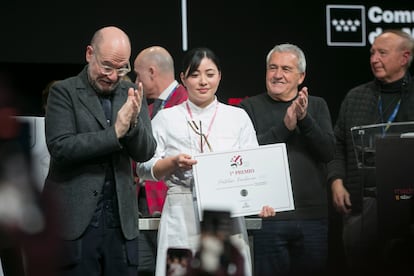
198,110
164,95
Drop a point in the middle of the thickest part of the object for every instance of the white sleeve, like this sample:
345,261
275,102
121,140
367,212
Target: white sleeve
248,138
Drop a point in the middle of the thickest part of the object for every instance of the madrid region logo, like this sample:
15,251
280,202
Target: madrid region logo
345,25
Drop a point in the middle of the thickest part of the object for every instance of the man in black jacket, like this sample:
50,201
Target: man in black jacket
95,124
294,242
388,98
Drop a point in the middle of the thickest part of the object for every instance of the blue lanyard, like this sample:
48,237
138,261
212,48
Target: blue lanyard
392,116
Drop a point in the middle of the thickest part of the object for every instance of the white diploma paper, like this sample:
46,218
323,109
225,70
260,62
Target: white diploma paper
243,181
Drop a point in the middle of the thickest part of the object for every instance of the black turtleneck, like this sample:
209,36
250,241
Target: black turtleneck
390,95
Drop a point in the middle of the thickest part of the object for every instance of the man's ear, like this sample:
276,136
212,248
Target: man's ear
89,53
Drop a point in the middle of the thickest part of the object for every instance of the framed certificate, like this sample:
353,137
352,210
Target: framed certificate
243,181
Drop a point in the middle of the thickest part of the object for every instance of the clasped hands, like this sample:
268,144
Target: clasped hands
297,110
127,115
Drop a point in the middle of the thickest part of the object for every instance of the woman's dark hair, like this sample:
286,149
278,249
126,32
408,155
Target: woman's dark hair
192,60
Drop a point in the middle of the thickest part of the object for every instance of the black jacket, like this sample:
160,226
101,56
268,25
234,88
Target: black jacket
80,143
360,107
310,146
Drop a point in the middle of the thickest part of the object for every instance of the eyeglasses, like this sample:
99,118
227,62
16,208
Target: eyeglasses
203,138
109,70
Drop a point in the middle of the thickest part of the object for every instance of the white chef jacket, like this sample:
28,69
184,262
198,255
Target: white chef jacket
227,128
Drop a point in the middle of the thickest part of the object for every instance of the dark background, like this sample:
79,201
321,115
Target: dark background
46,40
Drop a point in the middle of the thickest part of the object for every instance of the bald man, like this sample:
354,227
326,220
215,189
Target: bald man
154,68
95,124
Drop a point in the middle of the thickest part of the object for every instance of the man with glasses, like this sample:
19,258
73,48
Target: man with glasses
95,124
109,70
387,98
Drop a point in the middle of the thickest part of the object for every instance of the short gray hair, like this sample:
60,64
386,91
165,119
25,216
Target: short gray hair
291,48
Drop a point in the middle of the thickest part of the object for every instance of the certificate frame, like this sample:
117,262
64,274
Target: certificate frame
243,181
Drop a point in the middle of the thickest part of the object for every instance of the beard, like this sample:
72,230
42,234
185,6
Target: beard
104,90
99,88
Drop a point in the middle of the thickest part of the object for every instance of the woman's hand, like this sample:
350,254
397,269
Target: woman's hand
267,211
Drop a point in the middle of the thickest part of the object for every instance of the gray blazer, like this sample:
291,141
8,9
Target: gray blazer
80,142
